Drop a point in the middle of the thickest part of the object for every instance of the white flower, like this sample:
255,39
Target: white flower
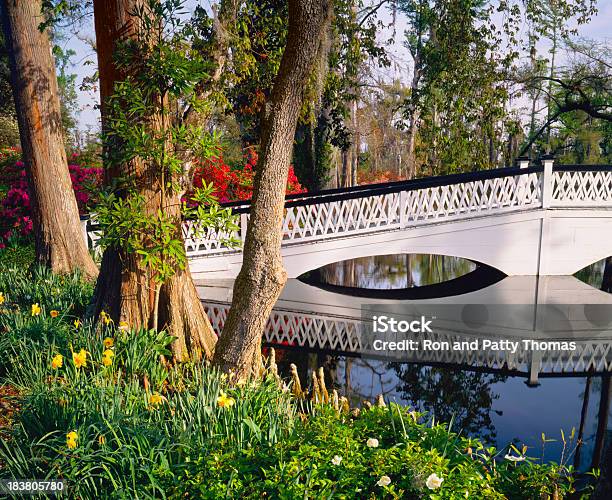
372,443
336,460
384,481
433,481
513,458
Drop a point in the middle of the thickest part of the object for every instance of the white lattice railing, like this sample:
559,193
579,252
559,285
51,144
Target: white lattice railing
342,215
582,188
369,209
343,334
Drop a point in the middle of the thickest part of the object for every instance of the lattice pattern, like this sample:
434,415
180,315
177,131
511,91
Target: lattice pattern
582,188
324,219
297,328
320,219
301,329
339,218
201,241
442,202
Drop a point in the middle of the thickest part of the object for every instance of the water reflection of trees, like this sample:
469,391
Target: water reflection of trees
394,271
463,396
598,275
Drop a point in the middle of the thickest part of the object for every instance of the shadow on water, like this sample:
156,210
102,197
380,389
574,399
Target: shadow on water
403,277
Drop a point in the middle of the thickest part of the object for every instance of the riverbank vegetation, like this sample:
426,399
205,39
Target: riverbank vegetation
96,408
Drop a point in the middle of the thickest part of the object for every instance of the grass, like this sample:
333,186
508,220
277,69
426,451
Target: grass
115,423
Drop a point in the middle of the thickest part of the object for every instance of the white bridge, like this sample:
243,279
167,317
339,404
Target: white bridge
545,220
311,318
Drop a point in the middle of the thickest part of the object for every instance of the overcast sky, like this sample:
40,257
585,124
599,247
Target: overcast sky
598,28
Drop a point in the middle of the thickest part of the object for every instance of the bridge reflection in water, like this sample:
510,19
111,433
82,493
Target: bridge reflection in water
480,390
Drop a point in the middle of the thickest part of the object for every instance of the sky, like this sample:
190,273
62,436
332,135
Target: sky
598,28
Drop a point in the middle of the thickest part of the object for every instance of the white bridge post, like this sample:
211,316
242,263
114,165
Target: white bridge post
547,180
243,227
403,211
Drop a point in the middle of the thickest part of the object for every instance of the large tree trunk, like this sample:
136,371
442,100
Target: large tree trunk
262,276
59,239
125,289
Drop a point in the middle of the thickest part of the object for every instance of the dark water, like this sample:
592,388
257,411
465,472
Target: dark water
499,407
392,272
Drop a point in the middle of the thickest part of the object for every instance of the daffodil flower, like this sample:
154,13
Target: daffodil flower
225,401
156,399
71,440
80,359
36,310
2,298
57,361
54,313
108,342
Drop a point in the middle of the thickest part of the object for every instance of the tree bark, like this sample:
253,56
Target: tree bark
262,276
59,239
125,289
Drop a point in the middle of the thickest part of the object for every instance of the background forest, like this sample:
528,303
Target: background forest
402,89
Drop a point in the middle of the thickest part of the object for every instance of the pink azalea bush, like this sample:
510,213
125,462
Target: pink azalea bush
15,207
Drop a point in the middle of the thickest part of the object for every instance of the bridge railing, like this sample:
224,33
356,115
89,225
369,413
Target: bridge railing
581,186
402,204
343,335
373,208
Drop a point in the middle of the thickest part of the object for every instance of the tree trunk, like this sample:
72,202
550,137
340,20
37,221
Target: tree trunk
262,276
602,420
58,236
125,289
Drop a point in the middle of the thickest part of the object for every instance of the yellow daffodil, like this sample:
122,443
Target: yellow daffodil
225,401
36,310
108,342
71,440
107,361
57,361
123,326
80,359
105,318
54,313
2,298
156,399
77,323
101,439
108,353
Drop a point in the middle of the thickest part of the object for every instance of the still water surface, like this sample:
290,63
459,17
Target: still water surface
498,405
498,408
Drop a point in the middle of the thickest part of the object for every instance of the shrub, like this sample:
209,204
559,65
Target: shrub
237,183
15,210
98,409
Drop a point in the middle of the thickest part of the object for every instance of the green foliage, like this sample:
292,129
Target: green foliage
18,253
148,141
143,430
